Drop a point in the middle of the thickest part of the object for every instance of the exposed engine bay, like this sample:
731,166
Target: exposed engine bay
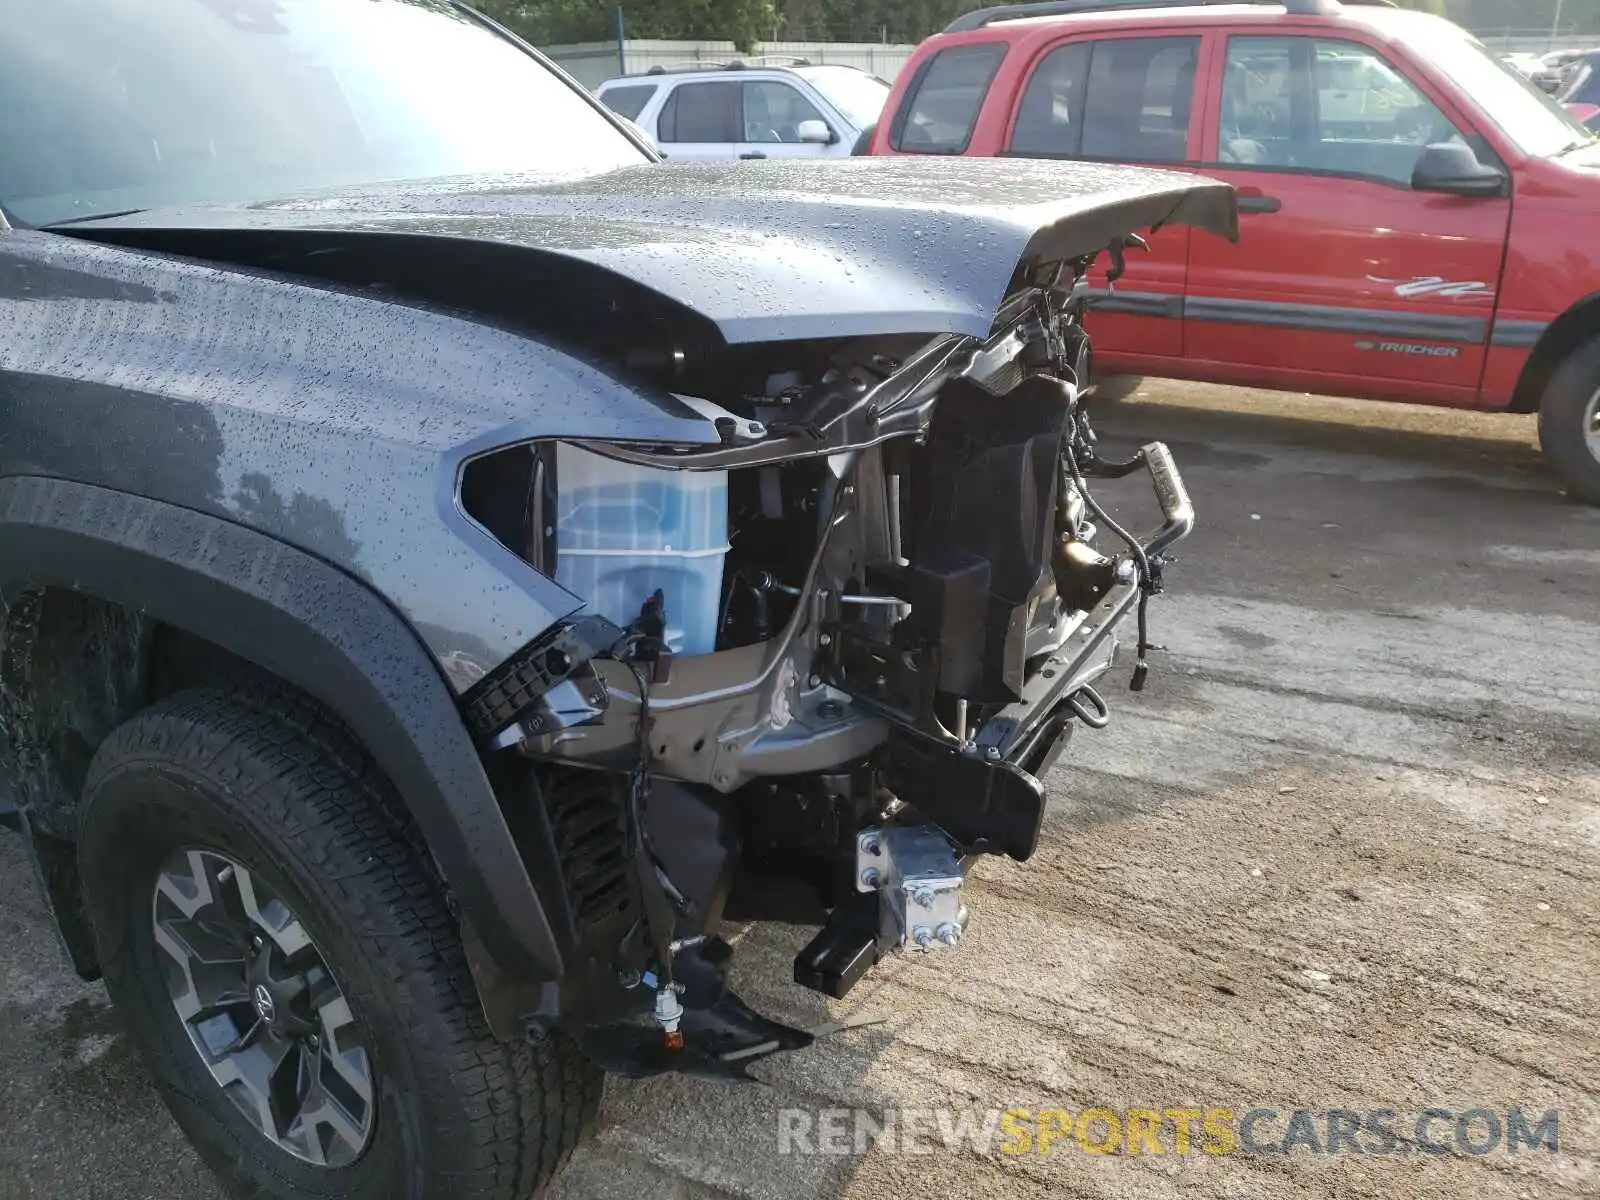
884,603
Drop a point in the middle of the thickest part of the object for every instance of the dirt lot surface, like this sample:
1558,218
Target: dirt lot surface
1344,852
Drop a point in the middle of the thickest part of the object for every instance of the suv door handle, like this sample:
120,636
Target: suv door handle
753,154
1259,204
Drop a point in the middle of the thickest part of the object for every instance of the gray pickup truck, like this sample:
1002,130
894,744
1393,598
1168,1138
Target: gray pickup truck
452,563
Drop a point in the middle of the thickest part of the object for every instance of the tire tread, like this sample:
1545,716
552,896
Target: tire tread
1561,409
523,1106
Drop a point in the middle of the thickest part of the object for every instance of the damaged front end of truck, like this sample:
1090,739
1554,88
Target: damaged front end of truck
829,651
781,481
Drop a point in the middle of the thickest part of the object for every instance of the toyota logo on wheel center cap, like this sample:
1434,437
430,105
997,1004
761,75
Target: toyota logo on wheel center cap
263,1002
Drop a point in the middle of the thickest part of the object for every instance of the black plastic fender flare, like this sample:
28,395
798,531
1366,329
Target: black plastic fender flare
319,629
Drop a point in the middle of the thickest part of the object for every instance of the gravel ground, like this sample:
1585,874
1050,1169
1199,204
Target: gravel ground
1342,852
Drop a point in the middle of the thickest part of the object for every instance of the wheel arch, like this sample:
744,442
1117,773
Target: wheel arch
1559,339
117,577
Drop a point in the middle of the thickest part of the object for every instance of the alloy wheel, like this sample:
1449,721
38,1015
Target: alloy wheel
262,1009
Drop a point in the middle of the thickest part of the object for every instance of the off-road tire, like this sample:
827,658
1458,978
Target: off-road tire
275,785
1566,407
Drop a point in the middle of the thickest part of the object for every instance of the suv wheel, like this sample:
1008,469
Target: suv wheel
281,951
1569,421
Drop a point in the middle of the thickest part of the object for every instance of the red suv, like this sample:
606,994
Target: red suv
1420,222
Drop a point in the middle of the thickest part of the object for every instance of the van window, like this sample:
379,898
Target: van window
943,102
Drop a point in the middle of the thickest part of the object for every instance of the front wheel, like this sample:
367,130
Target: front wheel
1569,421
282,954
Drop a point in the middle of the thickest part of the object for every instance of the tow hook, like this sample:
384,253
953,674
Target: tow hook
917,877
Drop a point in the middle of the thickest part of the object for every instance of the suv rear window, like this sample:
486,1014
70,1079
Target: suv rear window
1124,99
943,101
628,101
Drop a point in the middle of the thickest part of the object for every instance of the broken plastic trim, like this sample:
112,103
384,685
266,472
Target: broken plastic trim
516,685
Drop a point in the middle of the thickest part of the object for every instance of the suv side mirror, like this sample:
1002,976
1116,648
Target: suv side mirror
816,133
1452,167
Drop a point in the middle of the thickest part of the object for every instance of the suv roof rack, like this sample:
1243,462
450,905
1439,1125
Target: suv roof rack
979,18
737,64
761,60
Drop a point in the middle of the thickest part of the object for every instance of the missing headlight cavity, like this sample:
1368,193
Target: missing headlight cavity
624,532
939,536
511,493
717,544
613,532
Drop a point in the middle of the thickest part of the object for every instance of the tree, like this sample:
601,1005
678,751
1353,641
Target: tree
867,20
556,22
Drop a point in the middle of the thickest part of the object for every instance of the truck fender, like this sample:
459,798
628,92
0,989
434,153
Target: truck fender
1559,338
328,634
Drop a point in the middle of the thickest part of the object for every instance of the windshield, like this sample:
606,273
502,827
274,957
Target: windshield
857,96
1525,114
110,105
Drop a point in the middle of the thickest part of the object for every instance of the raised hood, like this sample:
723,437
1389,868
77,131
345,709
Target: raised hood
764,251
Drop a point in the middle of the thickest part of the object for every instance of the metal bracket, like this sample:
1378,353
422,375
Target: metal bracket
918,878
